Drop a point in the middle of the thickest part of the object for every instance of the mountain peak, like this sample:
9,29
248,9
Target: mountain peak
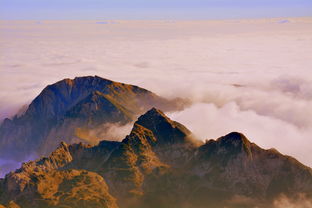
235,141
234,137
153,114
164,129
153,117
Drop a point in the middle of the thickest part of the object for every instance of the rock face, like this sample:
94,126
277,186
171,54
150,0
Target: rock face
159,164
69,109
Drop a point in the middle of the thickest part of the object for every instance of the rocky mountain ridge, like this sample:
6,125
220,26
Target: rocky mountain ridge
159,164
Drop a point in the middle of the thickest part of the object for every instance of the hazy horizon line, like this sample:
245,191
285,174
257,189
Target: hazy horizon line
156,19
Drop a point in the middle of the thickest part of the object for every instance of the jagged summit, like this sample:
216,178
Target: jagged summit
153,112
164,129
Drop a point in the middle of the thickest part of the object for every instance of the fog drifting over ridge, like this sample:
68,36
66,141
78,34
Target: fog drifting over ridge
253,76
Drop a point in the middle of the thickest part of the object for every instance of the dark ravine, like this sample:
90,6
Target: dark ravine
71,108
159,164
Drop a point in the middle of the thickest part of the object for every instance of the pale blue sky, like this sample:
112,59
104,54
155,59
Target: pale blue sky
152,9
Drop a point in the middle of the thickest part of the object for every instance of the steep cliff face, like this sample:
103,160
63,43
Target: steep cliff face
69,109
159,164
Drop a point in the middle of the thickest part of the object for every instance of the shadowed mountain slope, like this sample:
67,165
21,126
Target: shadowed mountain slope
159,164
69,109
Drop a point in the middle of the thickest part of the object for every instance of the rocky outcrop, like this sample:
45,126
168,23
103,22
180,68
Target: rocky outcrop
46,183
56,188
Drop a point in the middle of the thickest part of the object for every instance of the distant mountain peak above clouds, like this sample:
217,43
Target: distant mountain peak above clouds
56,99
70,109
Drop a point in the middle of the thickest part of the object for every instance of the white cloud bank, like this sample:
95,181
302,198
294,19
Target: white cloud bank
253,76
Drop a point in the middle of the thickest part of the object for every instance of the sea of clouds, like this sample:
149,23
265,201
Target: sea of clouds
252,76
